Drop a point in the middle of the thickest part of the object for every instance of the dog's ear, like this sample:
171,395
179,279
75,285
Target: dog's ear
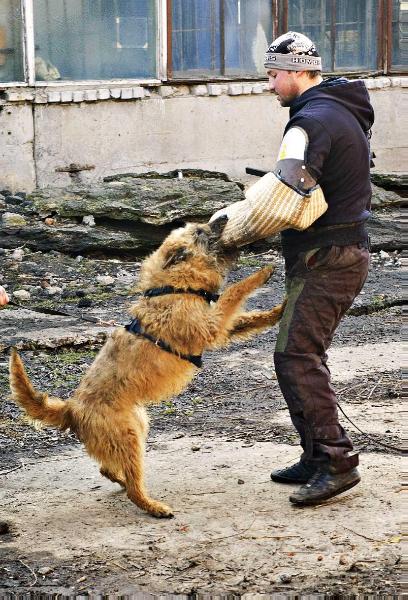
175,256
201,236
217,226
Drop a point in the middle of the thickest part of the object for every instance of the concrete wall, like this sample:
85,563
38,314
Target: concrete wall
107,131
17,170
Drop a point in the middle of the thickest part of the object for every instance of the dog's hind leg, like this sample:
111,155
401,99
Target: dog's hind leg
132,464
134,475
105,472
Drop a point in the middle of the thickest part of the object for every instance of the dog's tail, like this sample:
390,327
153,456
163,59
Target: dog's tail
37,405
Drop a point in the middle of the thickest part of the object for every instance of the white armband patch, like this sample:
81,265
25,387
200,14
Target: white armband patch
294,144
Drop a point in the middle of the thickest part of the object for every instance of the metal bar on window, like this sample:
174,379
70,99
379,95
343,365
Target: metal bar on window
275,19
388,45
381,35
222,37
169,27
83,37
163,37
333,34
14,41
285,17
28,41
213,34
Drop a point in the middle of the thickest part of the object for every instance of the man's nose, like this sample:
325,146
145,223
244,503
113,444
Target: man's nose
271,84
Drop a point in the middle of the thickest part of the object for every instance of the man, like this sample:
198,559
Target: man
325,144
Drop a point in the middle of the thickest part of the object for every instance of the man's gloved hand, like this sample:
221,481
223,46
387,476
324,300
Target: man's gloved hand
4,299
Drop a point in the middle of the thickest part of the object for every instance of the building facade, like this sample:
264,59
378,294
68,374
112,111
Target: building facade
90,88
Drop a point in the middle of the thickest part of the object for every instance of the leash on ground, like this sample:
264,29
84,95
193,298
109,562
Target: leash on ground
369,437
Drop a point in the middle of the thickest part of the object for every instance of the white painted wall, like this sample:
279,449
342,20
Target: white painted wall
135,130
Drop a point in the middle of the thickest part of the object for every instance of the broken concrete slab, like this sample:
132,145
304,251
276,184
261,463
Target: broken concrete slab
174,174
133,213
382,197
391,181
152,201
25,329
77,239
385,231
130,237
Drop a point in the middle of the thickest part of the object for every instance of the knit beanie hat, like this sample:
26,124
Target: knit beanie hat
293,51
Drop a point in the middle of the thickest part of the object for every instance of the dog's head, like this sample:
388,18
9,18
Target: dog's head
190,256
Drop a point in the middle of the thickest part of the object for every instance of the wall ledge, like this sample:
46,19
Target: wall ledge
54,95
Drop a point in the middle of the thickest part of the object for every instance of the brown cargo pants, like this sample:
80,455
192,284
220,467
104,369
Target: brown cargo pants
321,285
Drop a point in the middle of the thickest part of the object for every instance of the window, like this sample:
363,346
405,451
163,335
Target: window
399,56
94,39
11,41
219,38
345,31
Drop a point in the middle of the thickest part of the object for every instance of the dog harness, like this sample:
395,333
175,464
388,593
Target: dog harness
136,327
169,289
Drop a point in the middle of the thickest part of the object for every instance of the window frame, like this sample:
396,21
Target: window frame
211,78
28,41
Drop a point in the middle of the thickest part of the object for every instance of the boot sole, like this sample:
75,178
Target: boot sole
312,501
278,479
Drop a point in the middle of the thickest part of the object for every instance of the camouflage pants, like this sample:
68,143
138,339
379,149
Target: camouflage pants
321,285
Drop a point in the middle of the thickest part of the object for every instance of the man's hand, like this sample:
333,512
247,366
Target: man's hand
4,299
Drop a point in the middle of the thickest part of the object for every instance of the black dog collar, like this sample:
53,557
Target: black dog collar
136,328
169,289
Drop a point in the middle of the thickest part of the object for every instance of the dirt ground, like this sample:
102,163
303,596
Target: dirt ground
68,531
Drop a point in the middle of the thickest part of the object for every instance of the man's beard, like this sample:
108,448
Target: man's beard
285,103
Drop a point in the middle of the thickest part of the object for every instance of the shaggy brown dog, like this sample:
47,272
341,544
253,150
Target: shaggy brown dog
107,411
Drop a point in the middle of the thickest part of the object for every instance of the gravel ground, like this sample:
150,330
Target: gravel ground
239,406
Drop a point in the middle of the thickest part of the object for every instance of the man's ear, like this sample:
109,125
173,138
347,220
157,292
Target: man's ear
175,256
217,226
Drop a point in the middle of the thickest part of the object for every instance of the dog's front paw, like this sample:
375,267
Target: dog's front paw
160,510
267,273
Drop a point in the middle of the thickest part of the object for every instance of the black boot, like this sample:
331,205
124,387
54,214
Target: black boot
324,485
301,472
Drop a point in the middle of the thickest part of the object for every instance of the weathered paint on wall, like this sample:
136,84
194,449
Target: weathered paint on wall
390,130
17,169
224,128
225,134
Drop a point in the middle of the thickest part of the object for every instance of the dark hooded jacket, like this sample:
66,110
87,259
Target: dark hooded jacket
337,116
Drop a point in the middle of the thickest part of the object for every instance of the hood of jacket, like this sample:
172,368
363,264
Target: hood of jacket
353,95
